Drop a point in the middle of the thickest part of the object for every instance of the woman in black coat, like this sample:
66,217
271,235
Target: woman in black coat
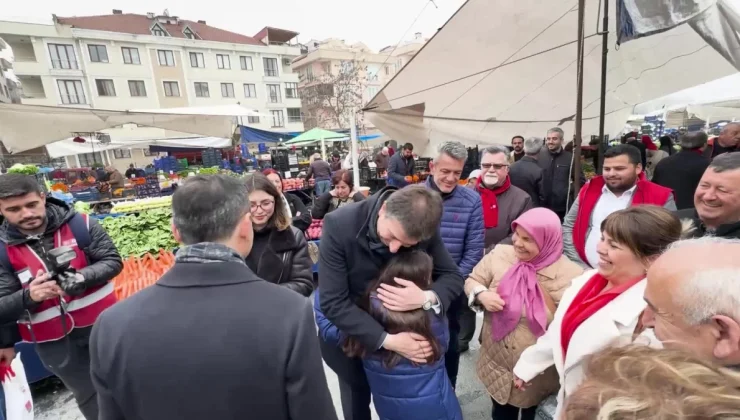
340,196
279,251
298,211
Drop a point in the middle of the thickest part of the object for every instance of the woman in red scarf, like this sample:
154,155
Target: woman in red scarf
603,304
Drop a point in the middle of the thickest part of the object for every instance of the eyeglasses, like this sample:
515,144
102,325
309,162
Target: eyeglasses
496,166
265,205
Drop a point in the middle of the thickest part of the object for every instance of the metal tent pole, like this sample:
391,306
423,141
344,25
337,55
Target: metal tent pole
579,100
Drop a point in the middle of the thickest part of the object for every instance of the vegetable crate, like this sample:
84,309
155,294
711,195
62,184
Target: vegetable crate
87,194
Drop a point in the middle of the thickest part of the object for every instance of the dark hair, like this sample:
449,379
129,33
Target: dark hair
645,230
270,171
414,266
633,153
259,182
517,137
666,141
335,154
16,185
343,175
417,208
693,141
207,208
408,146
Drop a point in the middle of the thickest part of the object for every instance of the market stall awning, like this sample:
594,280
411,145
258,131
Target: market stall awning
68,147
315,134
500,68
24,127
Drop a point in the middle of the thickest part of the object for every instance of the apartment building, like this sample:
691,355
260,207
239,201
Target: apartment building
126,61
6,83
335,77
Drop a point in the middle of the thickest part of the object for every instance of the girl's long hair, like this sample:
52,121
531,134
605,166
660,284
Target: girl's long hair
414,266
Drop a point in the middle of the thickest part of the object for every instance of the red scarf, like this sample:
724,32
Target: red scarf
490,201
587,302
645,193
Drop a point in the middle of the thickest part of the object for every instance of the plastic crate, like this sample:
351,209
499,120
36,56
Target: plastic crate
86,195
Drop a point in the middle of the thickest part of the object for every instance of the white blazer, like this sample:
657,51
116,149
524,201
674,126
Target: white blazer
617,319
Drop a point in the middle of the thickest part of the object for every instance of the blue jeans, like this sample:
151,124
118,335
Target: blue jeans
322,187
2,404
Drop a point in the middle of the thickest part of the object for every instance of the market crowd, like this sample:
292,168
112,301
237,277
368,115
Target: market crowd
616,301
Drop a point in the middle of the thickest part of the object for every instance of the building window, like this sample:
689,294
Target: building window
166,58
130,55
159,31
387,70
201,90
171,89
63,57
137,88
98,53
246,62
189,34
271,67
277,119
294,115
291,90
71,92
197,60
250,91
105,87
148,152
286,61
372,91
309,73
227,90
223,61
253,120
122,153
87,160
273,93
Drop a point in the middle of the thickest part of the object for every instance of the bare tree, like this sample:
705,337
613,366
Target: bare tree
328,99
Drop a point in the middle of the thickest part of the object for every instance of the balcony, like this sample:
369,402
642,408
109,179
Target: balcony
5,65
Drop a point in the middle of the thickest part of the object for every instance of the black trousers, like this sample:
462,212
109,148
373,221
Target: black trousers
509,412
452,357
354,390
466,318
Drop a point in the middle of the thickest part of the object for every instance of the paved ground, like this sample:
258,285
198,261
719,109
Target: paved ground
54,402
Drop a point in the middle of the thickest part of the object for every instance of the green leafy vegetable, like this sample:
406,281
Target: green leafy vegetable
82,207
148,232
20,168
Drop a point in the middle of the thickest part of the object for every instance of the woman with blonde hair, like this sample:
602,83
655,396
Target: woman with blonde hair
642,383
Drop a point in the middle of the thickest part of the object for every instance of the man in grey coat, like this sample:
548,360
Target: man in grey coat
210,340
527,174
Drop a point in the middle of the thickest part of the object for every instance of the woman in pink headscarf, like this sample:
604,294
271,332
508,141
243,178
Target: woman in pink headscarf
518,287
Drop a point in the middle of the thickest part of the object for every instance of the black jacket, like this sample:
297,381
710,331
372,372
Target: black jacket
323,205
527,174
348,265
731,230
398,168
282,258
302,221
104,264
557,183
643,151
209,341
681,172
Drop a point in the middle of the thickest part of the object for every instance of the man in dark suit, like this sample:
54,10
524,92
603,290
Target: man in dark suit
527,173
210,340
682,171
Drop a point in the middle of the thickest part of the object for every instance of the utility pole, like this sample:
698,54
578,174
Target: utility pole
579,100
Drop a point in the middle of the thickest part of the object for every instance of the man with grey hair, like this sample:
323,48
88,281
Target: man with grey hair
527,173
682,171
236,346
693,299
556,161
462,233
717,199
727,141
356,242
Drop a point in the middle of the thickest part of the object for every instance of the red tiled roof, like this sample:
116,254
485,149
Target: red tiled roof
130,23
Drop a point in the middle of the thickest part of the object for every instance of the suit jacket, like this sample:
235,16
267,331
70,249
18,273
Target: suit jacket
681,172
530,177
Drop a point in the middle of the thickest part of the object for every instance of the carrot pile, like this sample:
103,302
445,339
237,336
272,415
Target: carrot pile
141,272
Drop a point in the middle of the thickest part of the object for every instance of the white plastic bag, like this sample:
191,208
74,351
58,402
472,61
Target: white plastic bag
18,401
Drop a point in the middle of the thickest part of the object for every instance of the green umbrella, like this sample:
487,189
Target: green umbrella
315,134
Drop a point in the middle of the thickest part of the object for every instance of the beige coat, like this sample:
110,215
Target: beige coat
497,359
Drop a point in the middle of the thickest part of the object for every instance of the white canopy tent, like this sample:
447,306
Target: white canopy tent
68,147
500,68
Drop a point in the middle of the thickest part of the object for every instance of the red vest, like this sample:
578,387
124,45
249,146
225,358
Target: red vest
46,319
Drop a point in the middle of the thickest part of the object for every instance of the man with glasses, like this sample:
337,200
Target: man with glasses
556,162
502,202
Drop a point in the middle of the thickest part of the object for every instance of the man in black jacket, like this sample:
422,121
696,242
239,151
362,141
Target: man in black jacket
210,340
717,199
357,241
400,166
33,226
727,141
527,173
682,171
558,174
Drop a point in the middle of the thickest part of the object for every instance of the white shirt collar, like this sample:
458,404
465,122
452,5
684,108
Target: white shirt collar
629,192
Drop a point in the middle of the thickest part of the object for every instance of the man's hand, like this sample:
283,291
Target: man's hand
402,299
491,301
409,345
43,288
7,356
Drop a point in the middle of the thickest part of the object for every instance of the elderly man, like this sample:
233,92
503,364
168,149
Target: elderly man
462,233
517,144
527,174
693,299
381,160
728,141
682,171
557,165
717,199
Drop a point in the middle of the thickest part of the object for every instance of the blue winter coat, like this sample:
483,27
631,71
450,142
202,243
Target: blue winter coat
406,391
462,228
399,168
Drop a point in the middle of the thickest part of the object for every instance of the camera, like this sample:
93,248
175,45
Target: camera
57,261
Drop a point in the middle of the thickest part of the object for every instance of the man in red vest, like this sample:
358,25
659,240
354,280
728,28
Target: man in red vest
31,306
622,184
